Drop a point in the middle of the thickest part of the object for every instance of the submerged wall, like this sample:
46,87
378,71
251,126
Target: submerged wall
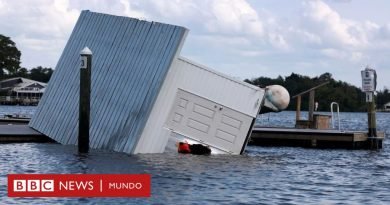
130,61
142,91
220,89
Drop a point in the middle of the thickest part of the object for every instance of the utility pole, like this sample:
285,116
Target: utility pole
85,98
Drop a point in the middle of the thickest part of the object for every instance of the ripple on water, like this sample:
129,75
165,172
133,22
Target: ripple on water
270,175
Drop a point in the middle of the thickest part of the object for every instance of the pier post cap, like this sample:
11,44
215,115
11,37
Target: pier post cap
368,67
86,51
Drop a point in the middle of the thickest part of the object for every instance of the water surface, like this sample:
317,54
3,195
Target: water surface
263,175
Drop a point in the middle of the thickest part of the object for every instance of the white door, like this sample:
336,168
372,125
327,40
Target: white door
209,122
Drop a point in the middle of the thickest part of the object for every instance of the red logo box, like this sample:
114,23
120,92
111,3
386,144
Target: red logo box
79,185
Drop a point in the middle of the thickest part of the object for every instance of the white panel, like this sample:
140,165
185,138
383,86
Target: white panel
225,136
209,122
177,118
201,110
207,83
228,120
198,126
183,103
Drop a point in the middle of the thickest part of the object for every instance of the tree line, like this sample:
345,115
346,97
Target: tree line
10,63
349,97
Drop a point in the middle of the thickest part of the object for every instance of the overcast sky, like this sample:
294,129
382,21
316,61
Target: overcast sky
242,38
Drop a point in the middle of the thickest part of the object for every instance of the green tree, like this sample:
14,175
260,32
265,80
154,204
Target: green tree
325,77
41,74
22,72
9,56
383,97
349,97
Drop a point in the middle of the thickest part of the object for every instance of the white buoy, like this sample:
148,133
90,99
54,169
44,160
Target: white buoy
276,99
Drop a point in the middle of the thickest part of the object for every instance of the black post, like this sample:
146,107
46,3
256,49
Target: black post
371,118
85,95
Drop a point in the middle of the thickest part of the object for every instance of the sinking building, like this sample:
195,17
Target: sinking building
143,91
203,105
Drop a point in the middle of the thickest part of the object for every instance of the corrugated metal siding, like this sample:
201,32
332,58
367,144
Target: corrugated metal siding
202,81
130,61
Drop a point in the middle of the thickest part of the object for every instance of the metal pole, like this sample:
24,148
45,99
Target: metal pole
85,95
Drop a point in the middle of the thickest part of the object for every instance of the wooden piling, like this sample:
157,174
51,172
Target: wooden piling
309,122
371,119
371,114
369,86
85,96
298,113
311,105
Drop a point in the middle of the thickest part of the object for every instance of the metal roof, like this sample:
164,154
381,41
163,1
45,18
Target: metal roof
19,84
131,58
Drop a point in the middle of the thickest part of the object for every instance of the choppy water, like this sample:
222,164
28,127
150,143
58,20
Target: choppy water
279,175
27,111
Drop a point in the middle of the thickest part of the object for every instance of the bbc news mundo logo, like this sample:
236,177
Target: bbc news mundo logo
79,185
33,185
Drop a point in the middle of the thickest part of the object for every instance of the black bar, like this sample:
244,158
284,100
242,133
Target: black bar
248,136
84,109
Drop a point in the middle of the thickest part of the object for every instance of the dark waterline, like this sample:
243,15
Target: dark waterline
260,176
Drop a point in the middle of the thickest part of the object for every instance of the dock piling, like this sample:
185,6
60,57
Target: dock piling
309,123
372,134
85,97
298,112
311,105
369,87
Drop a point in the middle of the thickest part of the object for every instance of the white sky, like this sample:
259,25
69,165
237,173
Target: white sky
242,38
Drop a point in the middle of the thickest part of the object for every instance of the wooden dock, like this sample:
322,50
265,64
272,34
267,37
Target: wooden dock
14,121
312,138
21,133
261,136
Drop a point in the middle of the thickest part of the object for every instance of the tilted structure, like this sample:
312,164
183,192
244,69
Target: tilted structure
142,91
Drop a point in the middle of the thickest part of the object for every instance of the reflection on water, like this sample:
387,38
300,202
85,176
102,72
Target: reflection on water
15,109
262,175
272,175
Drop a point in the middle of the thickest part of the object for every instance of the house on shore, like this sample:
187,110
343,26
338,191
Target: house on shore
386,107
21,91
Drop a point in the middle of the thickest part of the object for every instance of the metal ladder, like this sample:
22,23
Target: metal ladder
338,114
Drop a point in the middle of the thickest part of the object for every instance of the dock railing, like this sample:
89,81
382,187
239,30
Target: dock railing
338,114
